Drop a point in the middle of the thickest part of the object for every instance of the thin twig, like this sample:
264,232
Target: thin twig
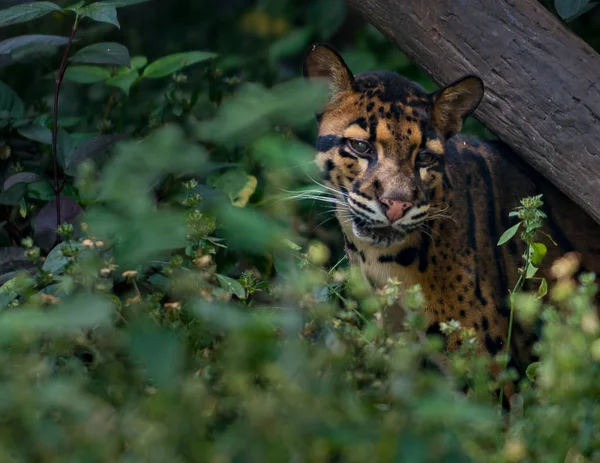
109,105
59,79
515,290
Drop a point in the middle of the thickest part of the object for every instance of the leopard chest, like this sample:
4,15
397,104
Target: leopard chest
453,281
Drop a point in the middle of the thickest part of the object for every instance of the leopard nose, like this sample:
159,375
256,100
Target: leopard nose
395,208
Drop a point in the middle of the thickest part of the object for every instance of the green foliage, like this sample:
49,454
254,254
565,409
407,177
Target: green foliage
572,9
174,63
103,53
26,12
181,307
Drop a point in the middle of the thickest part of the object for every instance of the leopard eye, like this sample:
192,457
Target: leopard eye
360,147
424,158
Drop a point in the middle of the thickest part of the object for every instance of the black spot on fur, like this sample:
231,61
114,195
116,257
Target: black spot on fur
373,128
405,257
356,191
391,87
345,154
349,244
327,142
361,122
485,323
362,206
492,347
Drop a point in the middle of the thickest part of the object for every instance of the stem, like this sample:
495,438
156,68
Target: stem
59,79
109,104
517,288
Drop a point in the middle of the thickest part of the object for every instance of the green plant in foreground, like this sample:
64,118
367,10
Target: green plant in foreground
530,218
189,315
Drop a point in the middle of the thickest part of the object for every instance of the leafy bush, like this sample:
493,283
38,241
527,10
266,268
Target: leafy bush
183,306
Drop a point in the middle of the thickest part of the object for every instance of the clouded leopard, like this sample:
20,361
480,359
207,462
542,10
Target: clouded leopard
422,203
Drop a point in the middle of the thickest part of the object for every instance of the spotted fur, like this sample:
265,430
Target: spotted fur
461,196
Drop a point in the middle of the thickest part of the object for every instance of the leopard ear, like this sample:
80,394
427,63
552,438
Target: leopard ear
455,102
321,61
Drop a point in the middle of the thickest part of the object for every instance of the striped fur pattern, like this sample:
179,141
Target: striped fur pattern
461,190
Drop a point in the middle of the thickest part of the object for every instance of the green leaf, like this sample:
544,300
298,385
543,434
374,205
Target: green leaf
7,298
550,238
55,261
11,106
86,74
124,81
122,3
79,312
41,190
293,245
531,271
103,53
326,16
14,194
25,177
37,133
290,44
508,234
140,237
45,220
138,62
159,352
68,121
79,138
33,51
237,184
261,233
571,9
12,259
232,286
101,12
543,289
538,252
94,149
76,7
253,109
298,155
297,100
27,47
531,371
65,148
26,12
168,65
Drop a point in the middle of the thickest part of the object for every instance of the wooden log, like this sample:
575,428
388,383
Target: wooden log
542,82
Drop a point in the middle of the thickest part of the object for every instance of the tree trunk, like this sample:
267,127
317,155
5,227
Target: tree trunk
542,82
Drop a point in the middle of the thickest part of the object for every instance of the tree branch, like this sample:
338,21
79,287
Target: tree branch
542,91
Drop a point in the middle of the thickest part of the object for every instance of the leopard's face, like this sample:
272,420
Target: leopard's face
378,148
381,147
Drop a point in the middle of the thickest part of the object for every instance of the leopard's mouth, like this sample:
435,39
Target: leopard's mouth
383,234
378,236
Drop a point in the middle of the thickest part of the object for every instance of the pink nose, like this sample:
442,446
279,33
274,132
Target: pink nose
395,208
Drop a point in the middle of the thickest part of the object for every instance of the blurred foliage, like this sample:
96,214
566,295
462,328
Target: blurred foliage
193,310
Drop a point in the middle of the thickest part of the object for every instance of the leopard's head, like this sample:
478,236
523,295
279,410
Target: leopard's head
381,144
